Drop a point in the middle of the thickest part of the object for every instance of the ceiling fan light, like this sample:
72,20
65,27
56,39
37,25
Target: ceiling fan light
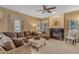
53,13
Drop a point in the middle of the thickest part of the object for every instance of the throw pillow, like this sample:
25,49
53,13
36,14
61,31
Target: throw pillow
37,38
17,42
7,45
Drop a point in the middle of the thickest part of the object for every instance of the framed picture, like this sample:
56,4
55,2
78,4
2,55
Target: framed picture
56,23
73,25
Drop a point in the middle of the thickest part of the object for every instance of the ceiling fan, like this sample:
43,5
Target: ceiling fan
45,9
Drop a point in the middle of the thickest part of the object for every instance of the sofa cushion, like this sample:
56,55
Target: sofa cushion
6,42
20,34
37,37
11,34
27,33
18,41
7,45
34,33
29,37
25,40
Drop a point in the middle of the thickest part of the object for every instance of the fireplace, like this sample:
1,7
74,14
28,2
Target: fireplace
57,33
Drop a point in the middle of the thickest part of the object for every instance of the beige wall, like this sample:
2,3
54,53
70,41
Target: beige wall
6,24
28,22
57,21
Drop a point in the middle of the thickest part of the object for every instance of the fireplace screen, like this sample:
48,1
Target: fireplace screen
57,33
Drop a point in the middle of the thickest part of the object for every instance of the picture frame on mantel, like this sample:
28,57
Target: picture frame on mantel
55,23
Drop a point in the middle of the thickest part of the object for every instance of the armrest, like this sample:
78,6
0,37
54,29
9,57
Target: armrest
22,40
2,50
29,43
26,48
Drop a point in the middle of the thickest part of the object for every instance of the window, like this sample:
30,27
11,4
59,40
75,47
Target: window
17,26
44,27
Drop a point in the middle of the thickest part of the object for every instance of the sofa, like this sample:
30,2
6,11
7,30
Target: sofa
25,49
18,42
14,42
19,35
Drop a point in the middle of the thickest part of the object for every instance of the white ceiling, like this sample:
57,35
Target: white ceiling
31,9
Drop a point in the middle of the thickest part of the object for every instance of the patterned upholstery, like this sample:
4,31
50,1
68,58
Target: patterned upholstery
11,34
18,41
8,45
27,33
6,42
20,34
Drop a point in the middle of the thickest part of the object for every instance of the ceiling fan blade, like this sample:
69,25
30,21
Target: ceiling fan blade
51,8
44,7
39,10
49,11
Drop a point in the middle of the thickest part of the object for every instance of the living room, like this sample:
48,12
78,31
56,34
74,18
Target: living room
39,29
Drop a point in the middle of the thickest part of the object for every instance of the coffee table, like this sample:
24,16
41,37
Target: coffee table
37,43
